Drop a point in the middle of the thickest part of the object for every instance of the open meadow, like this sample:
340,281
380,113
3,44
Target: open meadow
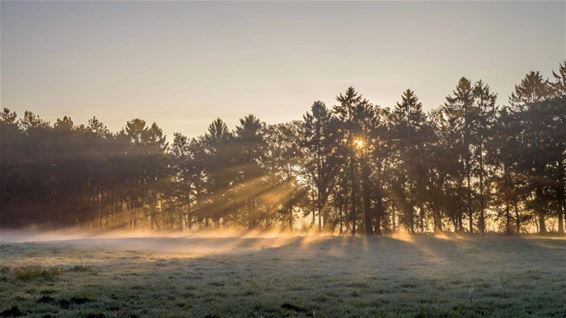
285,276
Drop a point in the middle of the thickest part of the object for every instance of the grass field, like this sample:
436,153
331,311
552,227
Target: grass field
285,276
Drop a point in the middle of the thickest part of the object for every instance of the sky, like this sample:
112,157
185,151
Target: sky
183,64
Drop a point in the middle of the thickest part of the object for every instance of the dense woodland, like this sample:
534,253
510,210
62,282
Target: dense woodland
473,164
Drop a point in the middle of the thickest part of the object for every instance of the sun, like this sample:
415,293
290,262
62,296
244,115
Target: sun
359,143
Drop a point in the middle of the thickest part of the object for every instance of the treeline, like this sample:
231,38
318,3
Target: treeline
469,165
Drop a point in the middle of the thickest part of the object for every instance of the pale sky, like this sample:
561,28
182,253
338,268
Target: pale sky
183,64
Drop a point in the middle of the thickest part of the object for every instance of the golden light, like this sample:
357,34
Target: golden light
359,143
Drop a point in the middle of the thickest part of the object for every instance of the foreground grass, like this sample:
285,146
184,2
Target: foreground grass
421,276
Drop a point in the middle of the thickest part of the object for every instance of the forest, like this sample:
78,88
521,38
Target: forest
476,163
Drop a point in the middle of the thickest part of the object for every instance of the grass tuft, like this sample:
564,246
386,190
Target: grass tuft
31,273
79,268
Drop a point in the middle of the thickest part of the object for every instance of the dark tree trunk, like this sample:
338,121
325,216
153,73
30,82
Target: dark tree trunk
314,207
517,217
366,198
469,207
341,211
438,221
354,194
561,196
422,218
560,220
411,217
380,211
507,219
540,210
541,223
290,218
482,199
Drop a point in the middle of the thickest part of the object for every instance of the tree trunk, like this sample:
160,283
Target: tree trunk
517,217
560,220
561,196
540,210
470,210
393,222
541,223
313,210
437,220
507,219
341,211
366,198
290,218
422,218
380,211
411,217
319,208
482,199
354,194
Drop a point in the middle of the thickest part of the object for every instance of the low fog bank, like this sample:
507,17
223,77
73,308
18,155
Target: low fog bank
35,235
201,243
192,244
32,234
